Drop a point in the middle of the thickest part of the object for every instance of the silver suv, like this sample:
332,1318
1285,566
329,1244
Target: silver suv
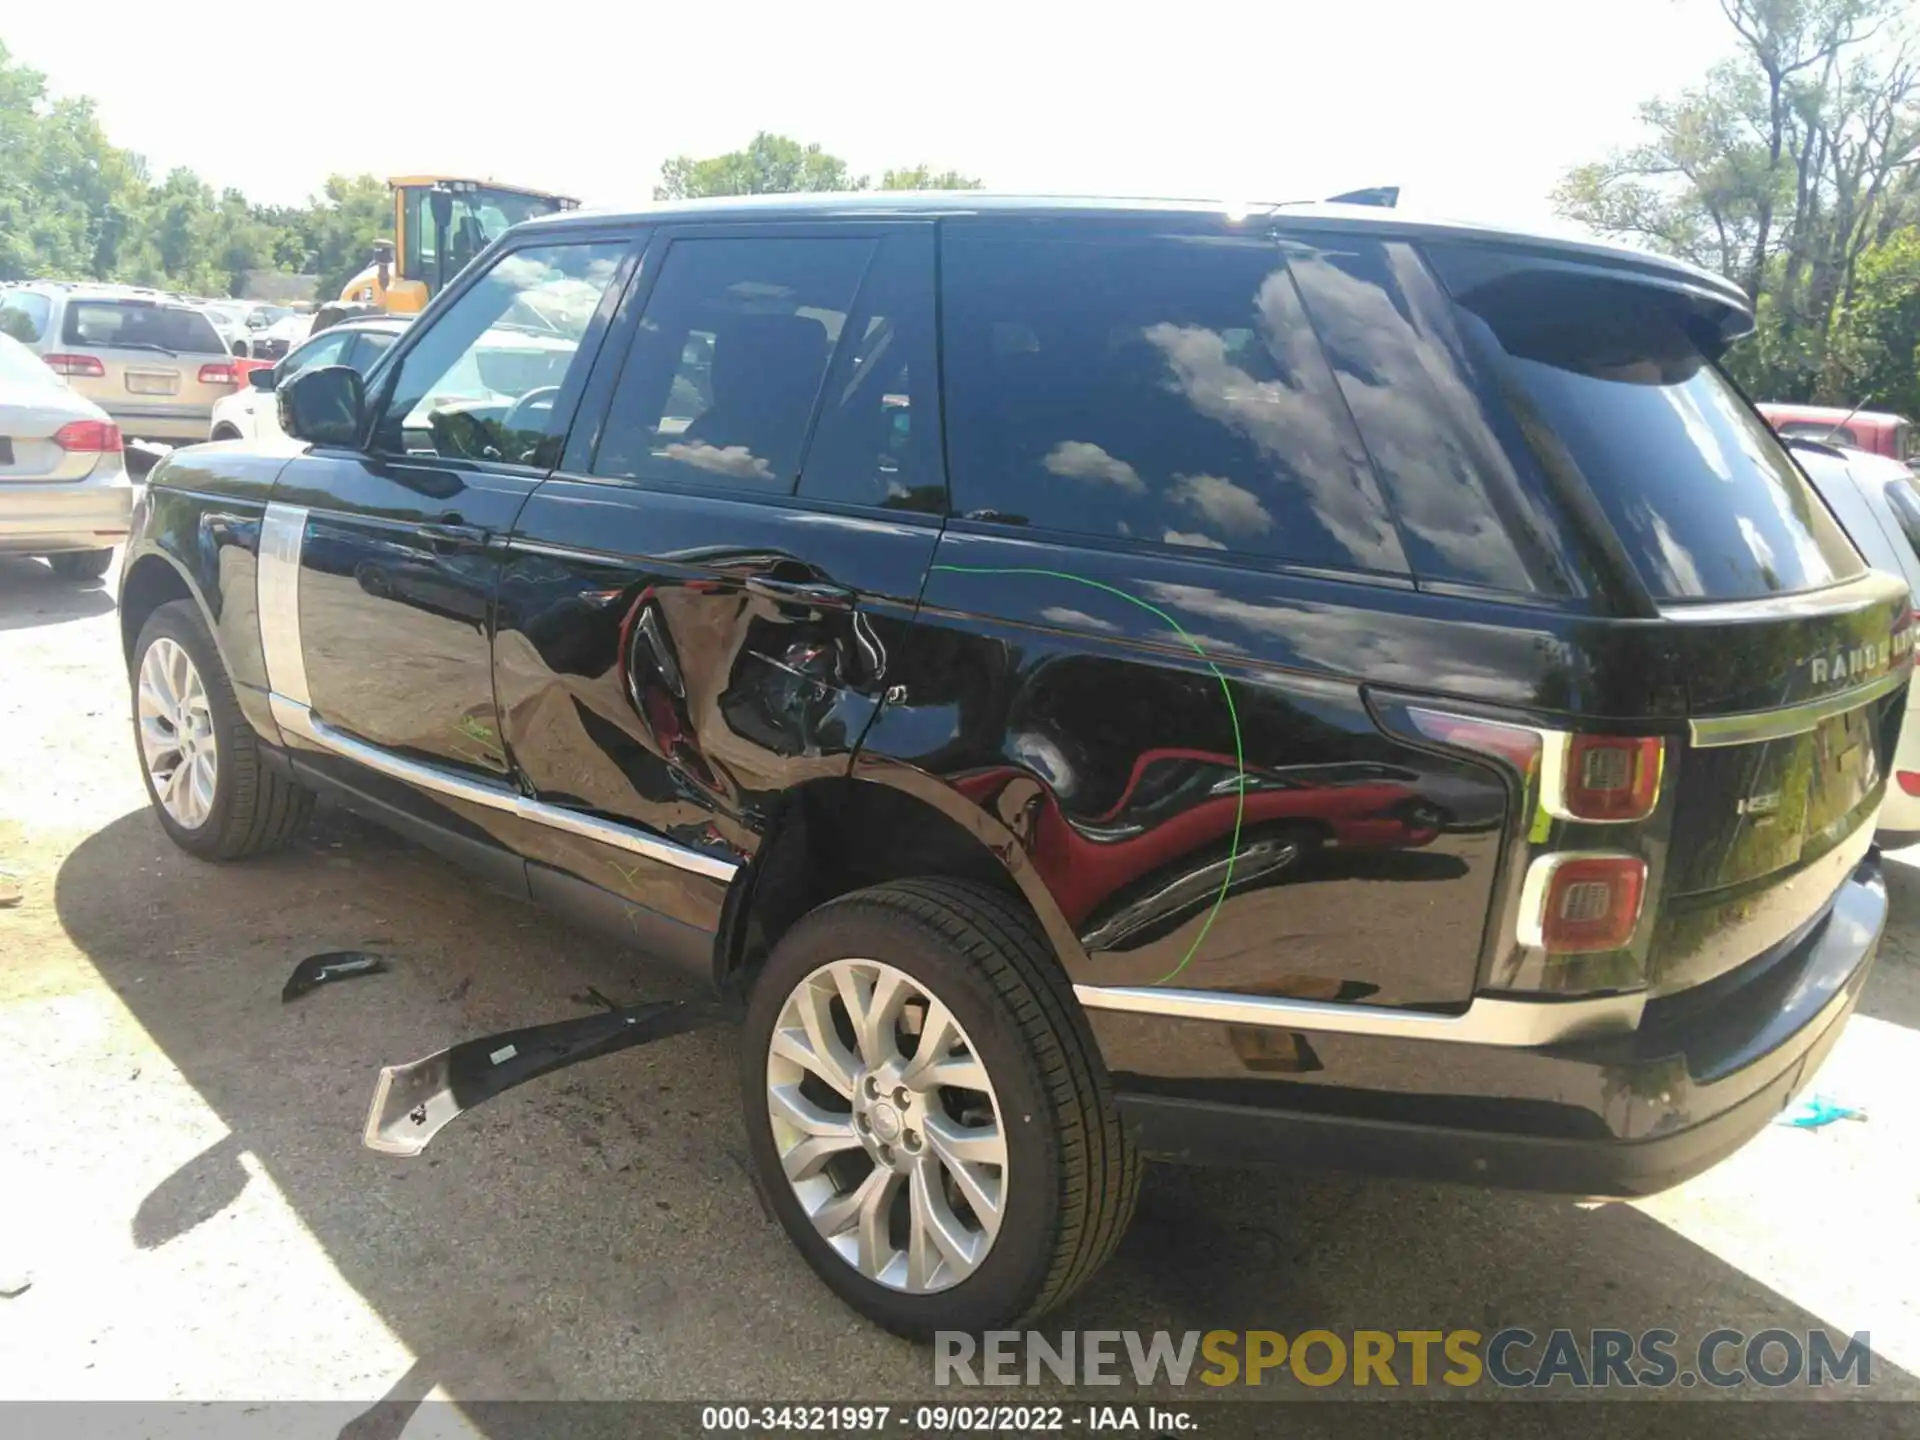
154,363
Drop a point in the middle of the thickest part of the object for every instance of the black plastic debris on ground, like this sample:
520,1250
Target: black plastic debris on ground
317,970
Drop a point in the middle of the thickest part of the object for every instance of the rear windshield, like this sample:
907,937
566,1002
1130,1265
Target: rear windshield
109,324
1611,384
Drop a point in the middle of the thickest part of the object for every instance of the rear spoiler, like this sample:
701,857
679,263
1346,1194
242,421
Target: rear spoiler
1385,196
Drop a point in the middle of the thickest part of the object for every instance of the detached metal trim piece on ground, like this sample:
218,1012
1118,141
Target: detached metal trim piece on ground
1487,1021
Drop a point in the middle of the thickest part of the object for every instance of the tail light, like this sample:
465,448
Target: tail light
220,372
1909,780
1579,902
71,365
1604,777
89,436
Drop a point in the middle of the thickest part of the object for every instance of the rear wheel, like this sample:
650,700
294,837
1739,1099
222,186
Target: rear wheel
82,565
926,1111
212,792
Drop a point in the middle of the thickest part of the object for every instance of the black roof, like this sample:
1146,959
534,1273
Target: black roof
1373,219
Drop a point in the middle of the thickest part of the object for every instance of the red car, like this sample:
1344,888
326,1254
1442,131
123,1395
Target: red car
1874,431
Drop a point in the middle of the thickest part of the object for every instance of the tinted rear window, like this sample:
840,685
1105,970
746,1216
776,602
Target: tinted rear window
106,324
1166,390
1610,384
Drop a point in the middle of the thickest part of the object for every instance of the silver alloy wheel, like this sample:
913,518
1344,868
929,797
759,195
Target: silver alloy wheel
176,733
896,1152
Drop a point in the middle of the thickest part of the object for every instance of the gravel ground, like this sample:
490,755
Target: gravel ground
188,1202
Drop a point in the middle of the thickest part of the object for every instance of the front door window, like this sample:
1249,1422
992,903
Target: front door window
481,381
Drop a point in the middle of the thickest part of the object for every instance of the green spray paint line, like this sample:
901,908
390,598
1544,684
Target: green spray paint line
1233,716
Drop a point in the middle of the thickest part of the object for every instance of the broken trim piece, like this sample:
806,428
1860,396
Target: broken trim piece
412,1103
318,970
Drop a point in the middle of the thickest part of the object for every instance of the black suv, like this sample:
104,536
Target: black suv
1091,680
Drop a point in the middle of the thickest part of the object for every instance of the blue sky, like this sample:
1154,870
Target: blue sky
1474,107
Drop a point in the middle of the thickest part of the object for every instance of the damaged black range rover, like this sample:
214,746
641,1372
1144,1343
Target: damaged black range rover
1087,681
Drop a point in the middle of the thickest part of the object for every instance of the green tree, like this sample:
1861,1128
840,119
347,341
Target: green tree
924,177
351,213
1793,160
1877,342
770,165
776,165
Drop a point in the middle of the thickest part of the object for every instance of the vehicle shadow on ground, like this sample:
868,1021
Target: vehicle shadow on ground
31,594
594,1234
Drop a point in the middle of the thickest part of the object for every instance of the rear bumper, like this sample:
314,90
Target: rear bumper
1625,1115
172,424
91,514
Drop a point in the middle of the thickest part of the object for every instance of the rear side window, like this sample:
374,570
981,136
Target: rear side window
130,325
727,364
1905,503
24,315
1611,385
877,442
1166,390
1467,513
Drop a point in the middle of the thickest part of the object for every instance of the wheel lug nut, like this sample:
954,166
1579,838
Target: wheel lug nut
902,1096
886,1153
911,1140
872,1087
863,1123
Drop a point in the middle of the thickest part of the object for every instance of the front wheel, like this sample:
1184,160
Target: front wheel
210,789
927,1113
85,566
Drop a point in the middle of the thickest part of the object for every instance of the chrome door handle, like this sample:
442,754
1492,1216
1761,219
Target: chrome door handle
447,537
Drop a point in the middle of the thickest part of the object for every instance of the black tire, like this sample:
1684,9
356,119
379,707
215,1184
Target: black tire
255,807
1072,1174
84,566
225,432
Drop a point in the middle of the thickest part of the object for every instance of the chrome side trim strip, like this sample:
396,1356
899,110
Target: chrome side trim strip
1758,725
296,719
283,531
1487,1021
517,546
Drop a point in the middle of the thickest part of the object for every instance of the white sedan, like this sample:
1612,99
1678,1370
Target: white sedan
250,412
64,489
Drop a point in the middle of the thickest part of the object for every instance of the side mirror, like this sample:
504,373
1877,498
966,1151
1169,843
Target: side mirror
323,405
264,378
